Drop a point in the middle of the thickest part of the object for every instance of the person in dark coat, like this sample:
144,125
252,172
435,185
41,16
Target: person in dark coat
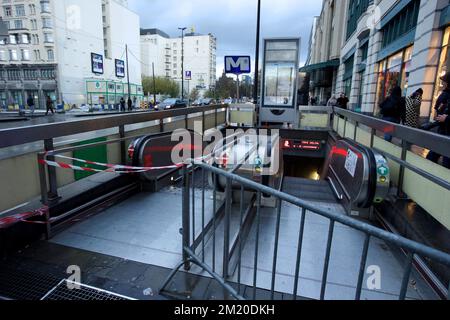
342,101
31,105
122,104
442,109
49,104
130,105
393,109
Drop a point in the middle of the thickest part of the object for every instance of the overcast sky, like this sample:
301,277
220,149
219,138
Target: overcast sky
233,22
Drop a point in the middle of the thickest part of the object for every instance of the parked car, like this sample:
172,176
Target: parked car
208,102
228,101
197,103
172,104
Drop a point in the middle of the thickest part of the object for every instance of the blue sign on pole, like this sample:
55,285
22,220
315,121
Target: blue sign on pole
237,64
188,75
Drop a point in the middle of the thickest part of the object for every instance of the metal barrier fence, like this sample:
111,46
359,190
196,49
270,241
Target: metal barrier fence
48,181
194,242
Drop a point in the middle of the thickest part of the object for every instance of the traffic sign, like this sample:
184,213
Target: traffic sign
237,64
188,75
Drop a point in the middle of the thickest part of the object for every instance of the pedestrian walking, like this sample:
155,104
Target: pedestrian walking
393,109
413,103
442,119
31,105
49,104
130,105
122,104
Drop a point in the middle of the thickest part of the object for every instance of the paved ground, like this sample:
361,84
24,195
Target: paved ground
146,227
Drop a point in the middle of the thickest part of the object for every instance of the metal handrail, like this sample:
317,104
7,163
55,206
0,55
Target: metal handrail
429,140
190,256
17,136
416,247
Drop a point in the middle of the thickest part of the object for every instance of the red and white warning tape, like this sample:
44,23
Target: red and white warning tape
111,167
7,222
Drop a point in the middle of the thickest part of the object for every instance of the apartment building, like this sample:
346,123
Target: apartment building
52,45
163,52
387,43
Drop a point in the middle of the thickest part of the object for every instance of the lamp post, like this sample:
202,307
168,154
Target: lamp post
256,79
182,61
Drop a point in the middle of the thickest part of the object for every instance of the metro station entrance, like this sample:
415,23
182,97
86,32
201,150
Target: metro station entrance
267,212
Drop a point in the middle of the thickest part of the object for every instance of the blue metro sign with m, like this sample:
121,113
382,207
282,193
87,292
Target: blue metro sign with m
237,64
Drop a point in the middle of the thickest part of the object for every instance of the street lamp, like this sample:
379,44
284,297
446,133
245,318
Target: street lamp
182,61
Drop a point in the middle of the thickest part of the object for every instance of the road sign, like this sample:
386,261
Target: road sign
237,64
188,75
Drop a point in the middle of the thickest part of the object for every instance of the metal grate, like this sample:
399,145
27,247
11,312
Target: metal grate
61,292
24,285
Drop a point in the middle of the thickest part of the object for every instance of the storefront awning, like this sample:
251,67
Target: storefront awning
322,65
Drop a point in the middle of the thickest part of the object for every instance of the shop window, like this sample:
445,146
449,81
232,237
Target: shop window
444,66
394,71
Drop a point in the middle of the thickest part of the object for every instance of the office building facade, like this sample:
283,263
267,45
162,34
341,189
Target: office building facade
164,53
387,43
53,45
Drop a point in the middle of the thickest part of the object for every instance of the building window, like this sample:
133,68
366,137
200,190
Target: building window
392,72
402,23
18,24
48,37
33,24
348,75
35,39
3,55
364,51
47,23
356,9
45,7
444,65
37,55
12,39
24,39
8,11
20,10
50,55
13,55
25,54
32,9
174,65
